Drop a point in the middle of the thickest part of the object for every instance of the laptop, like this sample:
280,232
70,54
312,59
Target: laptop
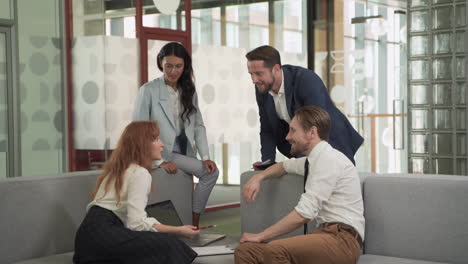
166,213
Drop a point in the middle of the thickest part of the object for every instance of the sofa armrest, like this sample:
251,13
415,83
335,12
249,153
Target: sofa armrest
175,187
276,199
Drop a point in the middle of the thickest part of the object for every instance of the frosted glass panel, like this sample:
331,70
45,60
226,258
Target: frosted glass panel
460,118
419,165
442,119
460,41
442,166
419,45
460,67
101,113
461,144
461,167
442,18
460,16
419,70
419,20
419,119
460,93
154,46
416,3
5,9
419,144
442,68
42,86
442,144
3,108
442,94
442,43
419,94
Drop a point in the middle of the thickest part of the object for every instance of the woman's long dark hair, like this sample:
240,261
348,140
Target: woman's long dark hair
185,81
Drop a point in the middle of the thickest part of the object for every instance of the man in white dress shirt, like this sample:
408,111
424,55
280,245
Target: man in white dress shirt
332,197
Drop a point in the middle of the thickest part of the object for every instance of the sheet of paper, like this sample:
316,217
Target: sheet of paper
213,250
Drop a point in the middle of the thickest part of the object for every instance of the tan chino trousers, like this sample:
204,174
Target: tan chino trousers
323,246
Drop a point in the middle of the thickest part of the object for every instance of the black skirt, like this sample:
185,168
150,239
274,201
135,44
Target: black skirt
102,238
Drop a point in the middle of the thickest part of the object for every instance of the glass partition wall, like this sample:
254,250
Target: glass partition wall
437,87
360,53
396,68
31,88
222,32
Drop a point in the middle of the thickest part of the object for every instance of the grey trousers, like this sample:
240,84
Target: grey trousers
195,167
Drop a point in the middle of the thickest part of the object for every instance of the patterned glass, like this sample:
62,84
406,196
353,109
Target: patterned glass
442,144
420,94
442,118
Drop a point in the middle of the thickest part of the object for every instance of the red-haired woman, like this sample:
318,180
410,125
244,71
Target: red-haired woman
116,228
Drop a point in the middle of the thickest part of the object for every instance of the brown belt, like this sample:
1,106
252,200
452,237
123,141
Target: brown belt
345,227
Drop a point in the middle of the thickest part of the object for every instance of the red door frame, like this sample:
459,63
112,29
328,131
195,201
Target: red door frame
146,33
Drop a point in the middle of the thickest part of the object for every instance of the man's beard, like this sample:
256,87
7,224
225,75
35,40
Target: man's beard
297,150
266,90
268,87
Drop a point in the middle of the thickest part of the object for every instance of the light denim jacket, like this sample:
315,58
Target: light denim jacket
152,103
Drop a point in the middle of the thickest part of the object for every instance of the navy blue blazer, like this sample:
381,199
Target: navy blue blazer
302,87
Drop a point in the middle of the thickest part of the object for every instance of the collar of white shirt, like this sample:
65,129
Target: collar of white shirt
281,90
315,152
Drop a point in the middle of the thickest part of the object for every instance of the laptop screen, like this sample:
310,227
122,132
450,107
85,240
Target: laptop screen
164,212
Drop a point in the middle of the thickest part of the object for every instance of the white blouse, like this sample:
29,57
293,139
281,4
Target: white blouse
133,199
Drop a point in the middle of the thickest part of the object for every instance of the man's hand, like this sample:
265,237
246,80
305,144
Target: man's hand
170,167
210,166
251,189
249,237
188,231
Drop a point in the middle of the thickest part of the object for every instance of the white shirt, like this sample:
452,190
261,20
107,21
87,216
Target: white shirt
133,199
333,190
174,100
280,102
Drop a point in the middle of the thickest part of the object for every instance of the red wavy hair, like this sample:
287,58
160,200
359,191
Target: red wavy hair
133,147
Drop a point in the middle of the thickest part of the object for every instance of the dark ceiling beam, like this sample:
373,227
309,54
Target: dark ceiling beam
196,4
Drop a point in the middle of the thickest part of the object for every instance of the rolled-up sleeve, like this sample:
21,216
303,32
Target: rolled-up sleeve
139,187
294,166
319,187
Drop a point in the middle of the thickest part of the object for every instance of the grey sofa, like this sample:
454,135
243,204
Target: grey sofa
40,215
409,218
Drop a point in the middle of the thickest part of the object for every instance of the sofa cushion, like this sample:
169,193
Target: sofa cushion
65,258
375,259
40,214
417,216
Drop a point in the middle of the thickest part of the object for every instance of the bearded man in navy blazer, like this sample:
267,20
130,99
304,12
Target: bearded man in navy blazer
280,90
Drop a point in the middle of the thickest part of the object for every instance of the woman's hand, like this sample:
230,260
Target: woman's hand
210,166
188,231
170,167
